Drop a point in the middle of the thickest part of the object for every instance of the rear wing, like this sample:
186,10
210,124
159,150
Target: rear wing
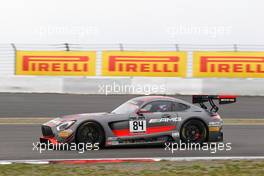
222,99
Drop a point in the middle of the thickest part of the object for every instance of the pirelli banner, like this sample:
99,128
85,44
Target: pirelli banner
228,64
55,63
135,63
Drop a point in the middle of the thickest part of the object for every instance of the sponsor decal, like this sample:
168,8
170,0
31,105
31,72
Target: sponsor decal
227,100
175,134
112,138
163,64
217,124
166,120
228,64
55,63
65,133
115,142
214,129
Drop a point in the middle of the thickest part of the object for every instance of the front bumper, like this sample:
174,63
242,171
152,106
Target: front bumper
54,137
48,140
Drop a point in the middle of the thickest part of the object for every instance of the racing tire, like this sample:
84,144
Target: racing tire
90,132
193,131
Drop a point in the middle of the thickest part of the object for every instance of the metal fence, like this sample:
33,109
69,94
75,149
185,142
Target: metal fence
133,47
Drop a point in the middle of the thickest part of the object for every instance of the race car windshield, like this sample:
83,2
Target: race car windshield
127,107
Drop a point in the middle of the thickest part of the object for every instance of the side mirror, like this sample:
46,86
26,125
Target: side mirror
142,111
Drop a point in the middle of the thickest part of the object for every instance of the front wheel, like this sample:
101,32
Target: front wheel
193,131
90,132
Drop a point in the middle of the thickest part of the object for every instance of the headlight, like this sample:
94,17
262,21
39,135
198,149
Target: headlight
65,125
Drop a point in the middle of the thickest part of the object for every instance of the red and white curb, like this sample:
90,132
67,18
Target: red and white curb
79,161
121,160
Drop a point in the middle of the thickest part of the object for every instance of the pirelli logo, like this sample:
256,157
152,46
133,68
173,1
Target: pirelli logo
164,64
228,64
55,63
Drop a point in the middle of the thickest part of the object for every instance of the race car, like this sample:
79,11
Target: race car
142,120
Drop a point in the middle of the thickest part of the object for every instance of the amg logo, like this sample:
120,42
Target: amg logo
143,63
235,64
56,63
166,120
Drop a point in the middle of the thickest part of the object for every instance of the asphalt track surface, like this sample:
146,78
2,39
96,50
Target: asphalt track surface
17,144
17,140
53,105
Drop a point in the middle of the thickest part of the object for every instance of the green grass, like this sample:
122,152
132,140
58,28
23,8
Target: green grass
166,168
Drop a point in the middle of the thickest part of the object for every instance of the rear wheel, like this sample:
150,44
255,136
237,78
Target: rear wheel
193,131
90,132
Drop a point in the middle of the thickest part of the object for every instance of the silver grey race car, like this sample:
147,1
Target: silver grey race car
142,120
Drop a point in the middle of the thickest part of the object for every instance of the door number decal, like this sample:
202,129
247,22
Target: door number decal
136,126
